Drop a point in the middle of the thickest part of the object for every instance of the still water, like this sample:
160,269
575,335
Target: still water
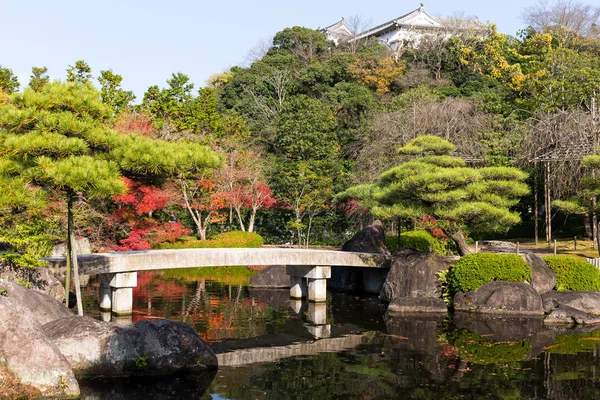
272,348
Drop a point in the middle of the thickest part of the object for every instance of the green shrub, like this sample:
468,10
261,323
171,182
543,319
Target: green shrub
573,273
474,270
231,239
419,240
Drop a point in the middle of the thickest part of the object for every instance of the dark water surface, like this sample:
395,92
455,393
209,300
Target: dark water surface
272,348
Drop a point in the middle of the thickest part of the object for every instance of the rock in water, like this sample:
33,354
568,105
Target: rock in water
501,298
543,278
413,274
273,276
27,354
587,302
95,348
569,315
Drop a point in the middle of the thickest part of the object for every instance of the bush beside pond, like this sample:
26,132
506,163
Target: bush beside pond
233,239
474,270
419,240
573,273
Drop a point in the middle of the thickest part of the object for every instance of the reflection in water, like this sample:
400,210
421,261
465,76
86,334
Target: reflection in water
272,348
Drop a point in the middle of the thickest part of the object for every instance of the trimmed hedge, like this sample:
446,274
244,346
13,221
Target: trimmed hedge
474,270
233,239
573,273
419,240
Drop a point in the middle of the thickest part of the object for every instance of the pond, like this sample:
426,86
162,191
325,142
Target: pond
270,347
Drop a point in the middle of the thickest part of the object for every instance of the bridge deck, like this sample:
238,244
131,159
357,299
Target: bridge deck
130,261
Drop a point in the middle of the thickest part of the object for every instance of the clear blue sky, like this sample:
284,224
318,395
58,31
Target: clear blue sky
147,40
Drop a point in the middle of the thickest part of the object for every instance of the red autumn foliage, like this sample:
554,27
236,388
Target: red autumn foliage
144,199
138,123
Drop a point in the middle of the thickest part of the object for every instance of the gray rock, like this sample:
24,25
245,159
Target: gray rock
409,305
413,274
369,240
45,282
273,276
28,355
82,246
543,278
95,348
43,308
569,315
587,302
501,298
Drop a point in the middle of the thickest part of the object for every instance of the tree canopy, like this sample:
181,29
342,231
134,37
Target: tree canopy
433,183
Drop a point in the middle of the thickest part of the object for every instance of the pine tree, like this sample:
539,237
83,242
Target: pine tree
57,140
433,183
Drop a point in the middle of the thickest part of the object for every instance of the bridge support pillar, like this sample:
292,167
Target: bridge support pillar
317,276
116,292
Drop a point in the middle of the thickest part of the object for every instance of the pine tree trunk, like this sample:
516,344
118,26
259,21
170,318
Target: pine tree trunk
72,253
461,243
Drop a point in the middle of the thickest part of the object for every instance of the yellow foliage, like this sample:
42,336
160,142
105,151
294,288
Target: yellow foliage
218,80
377,73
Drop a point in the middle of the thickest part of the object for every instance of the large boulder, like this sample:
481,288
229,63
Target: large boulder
564,314
273,276
42,308
587,302
95,348
45,282
369,240
543,278
410,305
413,274
27,357
501,298
82,246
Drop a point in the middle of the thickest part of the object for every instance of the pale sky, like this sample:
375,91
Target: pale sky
147,40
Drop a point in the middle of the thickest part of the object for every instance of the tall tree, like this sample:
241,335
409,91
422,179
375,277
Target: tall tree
81,72
56,140
575,18
433,183
8,81
38,78
111,92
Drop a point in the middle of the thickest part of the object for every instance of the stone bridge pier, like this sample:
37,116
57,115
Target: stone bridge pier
308,282
116,292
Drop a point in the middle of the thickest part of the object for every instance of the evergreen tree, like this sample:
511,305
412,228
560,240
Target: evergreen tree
8,81
111,92
38,78
56,140
432,183
81,72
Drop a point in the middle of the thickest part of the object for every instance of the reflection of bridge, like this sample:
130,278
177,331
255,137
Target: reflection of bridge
268,352
308,269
